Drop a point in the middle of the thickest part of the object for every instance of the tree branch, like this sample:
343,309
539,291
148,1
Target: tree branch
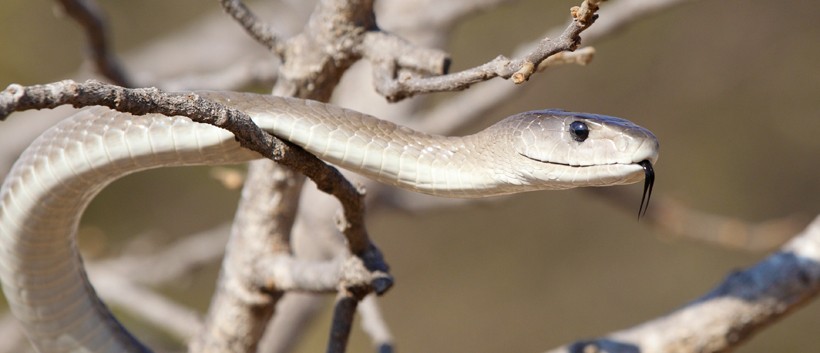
91,17
520,70
746,302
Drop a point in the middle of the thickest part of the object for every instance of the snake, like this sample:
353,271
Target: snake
44,195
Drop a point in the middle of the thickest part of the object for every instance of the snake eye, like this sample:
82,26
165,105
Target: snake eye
579,131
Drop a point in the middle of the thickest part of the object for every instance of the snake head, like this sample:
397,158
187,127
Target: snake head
567,149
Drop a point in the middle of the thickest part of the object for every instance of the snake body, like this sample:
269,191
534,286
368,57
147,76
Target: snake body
44,195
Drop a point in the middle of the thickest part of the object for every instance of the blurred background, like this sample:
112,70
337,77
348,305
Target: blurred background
730,88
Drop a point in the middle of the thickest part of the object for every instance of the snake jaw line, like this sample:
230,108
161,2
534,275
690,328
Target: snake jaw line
582,165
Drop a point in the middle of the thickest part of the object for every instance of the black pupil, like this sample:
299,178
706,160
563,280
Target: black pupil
579,131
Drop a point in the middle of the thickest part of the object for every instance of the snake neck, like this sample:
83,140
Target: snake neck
380,150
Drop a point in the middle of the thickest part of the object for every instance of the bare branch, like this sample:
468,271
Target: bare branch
91,17
746,302
519,70
257,29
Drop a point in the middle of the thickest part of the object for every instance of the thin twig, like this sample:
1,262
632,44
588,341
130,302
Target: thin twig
256,28
91,17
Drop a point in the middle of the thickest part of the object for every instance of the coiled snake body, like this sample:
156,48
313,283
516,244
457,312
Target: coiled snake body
44,195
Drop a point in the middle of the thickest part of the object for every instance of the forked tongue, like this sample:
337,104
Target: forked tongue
649,181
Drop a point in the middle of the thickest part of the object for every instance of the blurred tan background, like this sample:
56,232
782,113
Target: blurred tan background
731,89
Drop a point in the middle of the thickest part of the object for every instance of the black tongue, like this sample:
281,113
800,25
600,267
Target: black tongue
649,181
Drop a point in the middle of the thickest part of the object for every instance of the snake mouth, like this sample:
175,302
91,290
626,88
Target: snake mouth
648,184
586,165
